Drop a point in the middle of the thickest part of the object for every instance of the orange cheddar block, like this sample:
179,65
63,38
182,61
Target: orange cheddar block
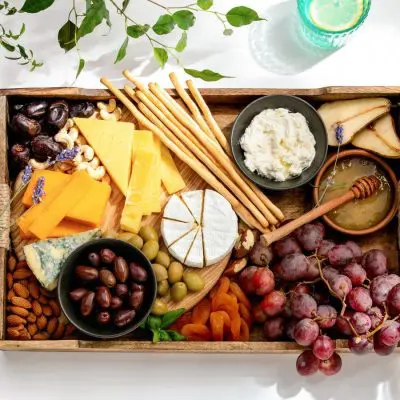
64,228
56,209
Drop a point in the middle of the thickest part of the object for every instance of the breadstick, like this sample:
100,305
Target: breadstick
197,167
131,93
223,159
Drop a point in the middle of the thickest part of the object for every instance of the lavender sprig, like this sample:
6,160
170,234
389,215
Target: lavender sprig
339,133
38,191
68,154
26,177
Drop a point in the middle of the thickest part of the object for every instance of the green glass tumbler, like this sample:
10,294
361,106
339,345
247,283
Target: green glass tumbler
330,23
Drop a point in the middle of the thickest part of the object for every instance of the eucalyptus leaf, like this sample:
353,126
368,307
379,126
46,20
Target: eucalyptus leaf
240,16
165,24
93,17
122,51
206,74
136,31
170,317
181,45
161,56
34,6
156,335
81,65
205,4
185,19
66,35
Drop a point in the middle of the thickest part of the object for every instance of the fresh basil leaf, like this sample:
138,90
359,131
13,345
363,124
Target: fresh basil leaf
66,35
22,52
185,19
125,4
7,46
206,74
164,336
136,31
93,17
170,317
240,16
81,65
122,51
153,322
165,24
228,32
205,4
176,336
161,56
34,6
181,45
156,335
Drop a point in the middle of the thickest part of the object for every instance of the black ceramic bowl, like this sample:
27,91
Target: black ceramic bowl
294,104
68,281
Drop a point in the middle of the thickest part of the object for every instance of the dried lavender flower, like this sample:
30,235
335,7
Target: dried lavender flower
38,192
339,133
68,154
26,177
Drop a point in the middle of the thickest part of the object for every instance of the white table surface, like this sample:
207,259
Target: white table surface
372,58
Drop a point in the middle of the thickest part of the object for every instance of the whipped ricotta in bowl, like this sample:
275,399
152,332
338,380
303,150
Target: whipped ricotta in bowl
278,144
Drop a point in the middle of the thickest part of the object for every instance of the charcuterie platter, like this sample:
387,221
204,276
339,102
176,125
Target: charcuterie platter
157,170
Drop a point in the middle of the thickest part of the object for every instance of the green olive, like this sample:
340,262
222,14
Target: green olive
136,241
178,291
159,307
160,272
108,235
150,249
125,236
175,272
148,233
162,288
193,281
163,259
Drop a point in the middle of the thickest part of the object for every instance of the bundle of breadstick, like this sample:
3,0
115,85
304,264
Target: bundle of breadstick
190,131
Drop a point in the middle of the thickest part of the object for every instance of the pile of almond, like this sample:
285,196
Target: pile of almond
32,311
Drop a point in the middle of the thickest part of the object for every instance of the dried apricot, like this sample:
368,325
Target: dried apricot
223,285
235,327
229,309
213,292
183,320
238,292
227,320
244,331
245,314
201,312
223,299
196,332
217,326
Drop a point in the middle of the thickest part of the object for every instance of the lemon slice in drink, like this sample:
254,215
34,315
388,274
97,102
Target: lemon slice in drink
336,15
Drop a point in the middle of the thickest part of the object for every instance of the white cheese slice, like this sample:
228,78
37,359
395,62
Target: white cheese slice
194,202
217,245
195,257
176,209
180,248
172,230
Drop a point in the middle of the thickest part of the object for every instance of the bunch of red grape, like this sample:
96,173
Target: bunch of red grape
317,291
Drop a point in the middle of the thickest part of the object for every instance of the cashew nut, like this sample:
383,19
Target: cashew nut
95,115
95,162
63,137
87,152
96,173
80,140
78,159
110,107
73,133
118,113
39,165
107,116
69,124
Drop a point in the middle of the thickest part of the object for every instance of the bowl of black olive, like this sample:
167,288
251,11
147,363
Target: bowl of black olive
106,288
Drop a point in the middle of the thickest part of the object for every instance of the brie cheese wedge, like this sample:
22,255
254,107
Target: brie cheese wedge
194,202
182,246
177,210
195,256
172,230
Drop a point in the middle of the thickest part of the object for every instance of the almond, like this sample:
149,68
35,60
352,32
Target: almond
47,311
10,295
21,302
10,280
21,290
40,336
15,320
32,329
46,293
24,335
41,322
36,308
11,263
52,325
22,273
236,266
43,299
34,289
22,312
12,334
58,334
21,264
31,318
55,307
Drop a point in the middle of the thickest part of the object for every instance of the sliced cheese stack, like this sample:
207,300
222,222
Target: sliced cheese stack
199,228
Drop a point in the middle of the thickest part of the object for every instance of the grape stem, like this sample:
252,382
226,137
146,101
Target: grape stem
380,326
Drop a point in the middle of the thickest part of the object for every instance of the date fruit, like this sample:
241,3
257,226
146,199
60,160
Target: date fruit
36,109
138,273
27,127
44,148
136,299
121,269
124,317
116,302
136,287
87,304
103,317
107,256
86,273
20,154
103,297
94,259
78,294
121,290
57,115
84,109
107,277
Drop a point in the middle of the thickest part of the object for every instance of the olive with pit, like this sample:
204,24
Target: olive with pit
121,270
136,241
103,296
116,302
148,233
150,249
175,272
107,256
78,294
160,272
94,259
87,304
178,291
194,281
121,290
138,273
125,236
107,278
86,273
136,299
159,307
103,317
162,288
163,259
124,317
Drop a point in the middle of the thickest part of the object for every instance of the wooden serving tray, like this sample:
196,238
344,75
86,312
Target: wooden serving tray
225,105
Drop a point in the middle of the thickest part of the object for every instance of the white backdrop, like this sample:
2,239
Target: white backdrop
372,58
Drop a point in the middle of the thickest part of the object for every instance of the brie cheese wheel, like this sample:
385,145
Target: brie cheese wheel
200,228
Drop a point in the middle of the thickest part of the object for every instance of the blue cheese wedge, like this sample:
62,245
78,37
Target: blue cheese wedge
45,258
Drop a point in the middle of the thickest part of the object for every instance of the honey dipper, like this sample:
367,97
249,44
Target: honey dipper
361,189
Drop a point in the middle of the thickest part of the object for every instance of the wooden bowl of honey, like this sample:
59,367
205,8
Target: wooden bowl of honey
357,217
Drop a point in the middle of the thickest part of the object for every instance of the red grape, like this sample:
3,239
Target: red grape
323,347
290,326
331,366
310,236
261,254
305,332
356,273
341,285
286,246
258,314
390,335
287,312
307,364
321,297
303,306
246,279
257,280
300,288
361,322
360,345
343,324
376,316
312,269
293,267
356,250
393,300
320,226
329,272
324,247
340,255
274,328
375,263
359,299
381,286
380,348
273,303
327,315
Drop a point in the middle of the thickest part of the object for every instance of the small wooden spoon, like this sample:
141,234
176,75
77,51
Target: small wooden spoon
362,188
